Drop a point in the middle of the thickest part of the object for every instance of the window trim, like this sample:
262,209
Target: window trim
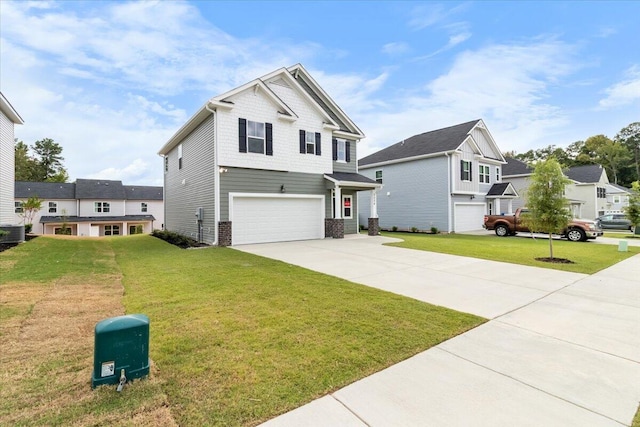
350,207
498,177
18,207
341,144
484,174
180,156
379,176
53,207
144,207
112,228
465,174
255,138
101,207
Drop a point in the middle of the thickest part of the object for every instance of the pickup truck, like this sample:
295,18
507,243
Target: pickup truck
578,230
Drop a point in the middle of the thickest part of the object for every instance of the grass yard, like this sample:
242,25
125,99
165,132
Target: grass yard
236,339
588,257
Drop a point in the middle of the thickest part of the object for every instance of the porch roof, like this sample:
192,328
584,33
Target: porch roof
352,180
102,219
502,190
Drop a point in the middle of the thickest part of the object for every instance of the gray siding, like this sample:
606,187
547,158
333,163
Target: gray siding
193,186
352,166
414,194
351,225
237,180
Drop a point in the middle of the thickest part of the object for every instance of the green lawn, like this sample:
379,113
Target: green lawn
236,339
587,257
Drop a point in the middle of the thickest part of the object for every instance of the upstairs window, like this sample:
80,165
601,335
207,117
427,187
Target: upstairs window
180,156
465,170
341,150
53,207
602,193
18,207
484,174
143,207
255,137
379,177
310,142
498,174
101,207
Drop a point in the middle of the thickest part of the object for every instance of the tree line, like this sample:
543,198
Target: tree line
40,162
619,156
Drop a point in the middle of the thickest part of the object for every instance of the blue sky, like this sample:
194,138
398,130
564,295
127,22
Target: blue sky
112,81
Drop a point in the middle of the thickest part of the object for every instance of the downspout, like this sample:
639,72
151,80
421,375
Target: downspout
449,218
216,169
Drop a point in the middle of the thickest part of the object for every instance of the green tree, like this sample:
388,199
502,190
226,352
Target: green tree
633,210
548,212
630,138
44,165
613,156
25,165
29,210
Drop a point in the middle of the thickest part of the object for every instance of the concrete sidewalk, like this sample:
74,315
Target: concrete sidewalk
562,349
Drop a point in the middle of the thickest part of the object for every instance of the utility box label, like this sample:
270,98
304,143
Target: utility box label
108,369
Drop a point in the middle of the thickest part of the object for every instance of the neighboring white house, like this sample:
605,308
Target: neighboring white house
617,199
447,178
8,118
91,207
271,160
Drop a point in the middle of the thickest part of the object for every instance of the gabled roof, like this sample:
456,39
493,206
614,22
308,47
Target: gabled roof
142,192
349,179
502,190
617,189
435,142
8,110
98,189
585,174
44,190
515,167
297,78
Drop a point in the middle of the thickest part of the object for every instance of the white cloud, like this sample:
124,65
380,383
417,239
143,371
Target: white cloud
395,48
431,14
624,92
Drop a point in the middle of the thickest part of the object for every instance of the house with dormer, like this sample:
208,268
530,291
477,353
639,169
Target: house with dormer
91,207
272,160
447,178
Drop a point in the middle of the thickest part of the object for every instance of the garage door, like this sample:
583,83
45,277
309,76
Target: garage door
276,218
468,217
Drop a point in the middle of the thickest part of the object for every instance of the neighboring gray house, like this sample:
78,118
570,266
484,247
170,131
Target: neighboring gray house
587,192
272,160
92,207
8,118
617,198
447,178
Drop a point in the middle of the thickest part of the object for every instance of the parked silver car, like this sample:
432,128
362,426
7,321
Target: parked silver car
615,221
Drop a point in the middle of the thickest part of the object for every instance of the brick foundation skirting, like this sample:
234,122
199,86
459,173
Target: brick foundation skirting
334,228
224,233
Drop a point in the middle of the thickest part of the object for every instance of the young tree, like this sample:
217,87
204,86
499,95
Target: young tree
547,205
29,210
633,210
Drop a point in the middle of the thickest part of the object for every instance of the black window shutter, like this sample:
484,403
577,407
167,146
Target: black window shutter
242,135
470,172
268,127
318,137
347,151
334,146
462,170
303,142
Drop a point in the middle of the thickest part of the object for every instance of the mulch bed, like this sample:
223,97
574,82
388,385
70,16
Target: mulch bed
556,260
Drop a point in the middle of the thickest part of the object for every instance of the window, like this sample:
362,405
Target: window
18,207
310,142
601,193
616,199
101,207
111,230
341,150
255,137
347,208
498,174
53,207
484,174
136,229
143,207
379,177
180,156
465,170
166,164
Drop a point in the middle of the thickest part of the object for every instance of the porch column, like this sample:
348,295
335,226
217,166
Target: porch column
125,229
497,206
510,205
337,206
374,204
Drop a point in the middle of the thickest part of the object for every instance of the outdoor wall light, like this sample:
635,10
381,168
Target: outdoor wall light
282,189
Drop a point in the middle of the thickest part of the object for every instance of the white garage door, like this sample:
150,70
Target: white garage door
275,218
468,217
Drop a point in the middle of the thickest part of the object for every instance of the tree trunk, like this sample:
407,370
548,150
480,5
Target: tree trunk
550,246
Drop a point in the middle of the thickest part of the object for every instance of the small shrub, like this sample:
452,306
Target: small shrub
28,228
394,228
414,229
175,238
434,230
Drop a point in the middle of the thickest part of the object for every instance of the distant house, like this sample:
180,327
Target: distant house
92,207
8,118
447,178
587,192
272,160
617,198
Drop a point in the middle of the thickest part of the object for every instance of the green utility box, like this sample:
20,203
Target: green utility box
120,343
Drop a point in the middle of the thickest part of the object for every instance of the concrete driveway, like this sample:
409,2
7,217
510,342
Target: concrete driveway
562,349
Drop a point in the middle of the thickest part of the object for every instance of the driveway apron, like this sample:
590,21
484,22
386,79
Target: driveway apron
561,349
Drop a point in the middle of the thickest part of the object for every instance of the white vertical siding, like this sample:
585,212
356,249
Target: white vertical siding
7,170
479,136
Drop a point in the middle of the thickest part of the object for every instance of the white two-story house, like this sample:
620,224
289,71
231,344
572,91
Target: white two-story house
8,118
446,179
272,160
91,207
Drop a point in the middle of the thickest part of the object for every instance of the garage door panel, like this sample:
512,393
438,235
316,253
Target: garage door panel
262,219
468,217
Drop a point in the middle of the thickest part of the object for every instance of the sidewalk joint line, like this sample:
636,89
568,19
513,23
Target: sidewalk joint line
350,410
